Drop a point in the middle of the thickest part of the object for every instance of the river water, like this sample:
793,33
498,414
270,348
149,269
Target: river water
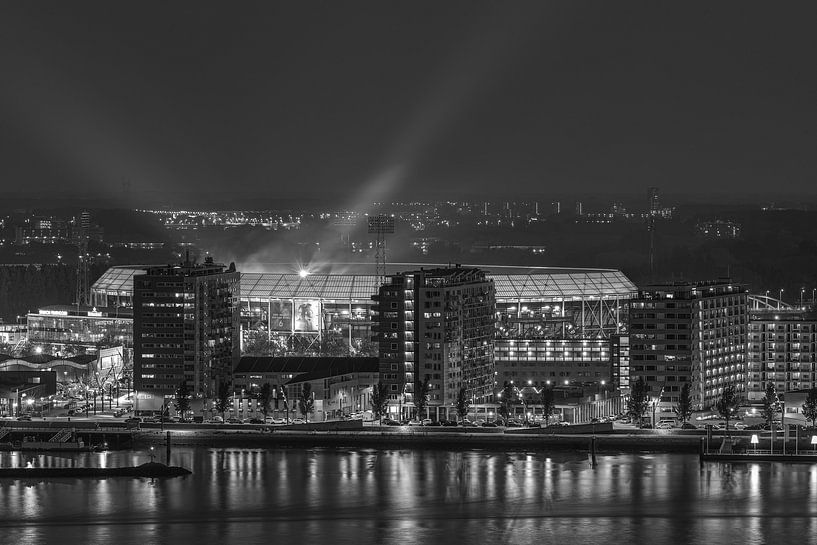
420,496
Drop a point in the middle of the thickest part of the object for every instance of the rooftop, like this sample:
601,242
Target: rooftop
511,283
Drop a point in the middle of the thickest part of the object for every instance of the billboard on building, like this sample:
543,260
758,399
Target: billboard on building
280,318
307,315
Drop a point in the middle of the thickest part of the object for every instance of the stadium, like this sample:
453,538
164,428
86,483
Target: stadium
532,302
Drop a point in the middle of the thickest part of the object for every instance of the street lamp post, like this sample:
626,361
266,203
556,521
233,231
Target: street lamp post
754,440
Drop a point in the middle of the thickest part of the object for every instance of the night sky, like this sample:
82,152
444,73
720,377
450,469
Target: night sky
374,100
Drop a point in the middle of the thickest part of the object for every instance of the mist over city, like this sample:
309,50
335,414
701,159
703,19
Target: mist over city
365,272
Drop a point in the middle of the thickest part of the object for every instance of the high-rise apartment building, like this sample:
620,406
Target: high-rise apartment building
782,351
620,362
689,331
436,324
186,328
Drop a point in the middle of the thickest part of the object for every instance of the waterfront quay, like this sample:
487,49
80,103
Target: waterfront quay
107,434
580,438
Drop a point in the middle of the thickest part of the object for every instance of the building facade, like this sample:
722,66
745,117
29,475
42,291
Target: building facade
689,332
782,351
541,362
436,324
186,328
620,362
86,328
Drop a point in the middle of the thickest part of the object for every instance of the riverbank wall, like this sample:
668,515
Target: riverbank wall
421,439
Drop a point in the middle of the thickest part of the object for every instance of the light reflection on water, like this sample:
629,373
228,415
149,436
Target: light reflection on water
370,496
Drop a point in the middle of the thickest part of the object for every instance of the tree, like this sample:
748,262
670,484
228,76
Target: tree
684,408
265,398
422,396
182,399
728,403
638,401
810,407
223,398
548,403
771,404
334,344
507,399
463,403
306,401
380,400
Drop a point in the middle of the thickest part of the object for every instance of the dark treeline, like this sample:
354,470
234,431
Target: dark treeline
25,288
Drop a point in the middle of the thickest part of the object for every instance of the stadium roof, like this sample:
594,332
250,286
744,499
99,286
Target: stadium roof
118,280
534,285
512,283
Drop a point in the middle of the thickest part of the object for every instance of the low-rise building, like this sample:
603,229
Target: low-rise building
21,390
538,362
80,328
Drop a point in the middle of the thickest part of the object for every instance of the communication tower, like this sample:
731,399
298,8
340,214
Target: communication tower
380,226
83,226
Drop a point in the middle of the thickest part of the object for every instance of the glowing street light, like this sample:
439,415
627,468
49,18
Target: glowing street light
754,440
303,273
813,443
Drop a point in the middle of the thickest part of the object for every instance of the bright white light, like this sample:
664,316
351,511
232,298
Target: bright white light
38,349
303,273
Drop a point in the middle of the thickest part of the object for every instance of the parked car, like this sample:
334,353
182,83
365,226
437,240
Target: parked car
216,420
665,426
24,418
433,423
688,426
740,426
255,421
390,422
234,420
425,422
489,425
133,420
298,421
